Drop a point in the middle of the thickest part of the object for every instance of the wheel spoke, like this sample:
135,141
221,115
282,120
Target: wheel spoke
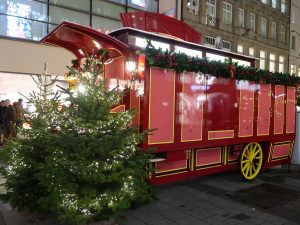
250,171
245,167
245,161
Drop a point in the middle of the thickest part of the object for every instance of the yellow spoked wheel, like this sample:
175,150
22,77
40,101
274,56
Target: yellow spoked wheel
251,160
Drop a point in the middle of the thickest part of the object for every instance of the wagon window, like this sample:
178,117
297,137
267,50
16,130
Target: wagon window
215,57
142,42
241,62
189,52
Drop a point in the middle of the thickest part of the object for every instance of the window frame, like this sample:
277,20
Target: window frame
241,17
263,27
252,21
227,13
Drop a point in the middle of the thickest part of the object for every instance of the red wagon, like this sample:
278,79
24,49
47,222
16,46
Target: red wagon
203,124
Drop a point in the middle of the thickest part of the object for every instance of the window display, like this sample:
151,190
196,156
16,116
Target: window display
18,27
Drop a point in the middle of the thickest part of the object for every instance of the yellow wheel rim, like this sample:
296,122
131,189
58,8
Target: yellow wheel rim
251,160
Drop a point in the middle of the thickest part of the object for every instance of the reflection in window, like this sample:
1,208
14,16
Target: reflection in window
241,62
272,63
107,9
76,4
105,25
18,19
281,64
189,52
58,14
149,5
262,60
215,57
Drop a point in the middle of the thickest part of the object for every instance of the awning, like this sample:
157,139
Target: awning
79,39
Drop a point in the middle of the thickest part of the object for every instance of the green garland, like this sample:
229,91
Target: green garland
182,62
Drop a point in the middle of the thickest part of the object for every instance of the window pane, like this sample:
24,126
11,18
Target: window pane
123,2
57,15
77,4
107,9
240,49
22,28
215,57
149,5
24,8
105,25
192,6
241,62
189,52
251,51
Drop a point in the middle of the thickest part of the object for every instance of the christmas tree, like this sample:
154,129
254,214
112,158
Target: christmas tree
81,161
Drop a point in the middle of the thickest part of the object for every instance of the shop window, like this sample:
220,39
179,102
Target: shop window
281,64
240,49
105,25
149,5
76,4
215,57
19,16
107,9
241,62
262,60
189,52
58,14
272,63
251,52
293,69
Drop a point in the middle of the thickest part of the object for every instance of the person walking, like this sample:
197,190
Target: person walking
3,123
19,112
11,119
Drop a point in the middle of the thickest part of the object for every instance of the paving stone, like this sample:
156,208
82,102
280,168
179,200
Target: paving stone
191,221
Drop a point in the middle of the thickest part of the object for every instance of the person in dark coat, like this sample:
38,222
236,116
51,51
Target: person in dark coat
3,122
11,119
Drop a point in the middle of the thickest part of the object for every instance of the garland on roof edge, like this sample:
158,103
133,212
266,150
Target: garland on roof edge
182,62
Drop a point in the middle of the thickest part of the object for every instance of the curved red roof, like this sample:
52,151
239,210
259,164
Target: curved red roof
155,22
79,39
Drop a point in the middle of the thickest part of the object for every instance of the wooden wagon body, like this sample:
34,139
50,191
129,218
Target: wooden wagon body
202,123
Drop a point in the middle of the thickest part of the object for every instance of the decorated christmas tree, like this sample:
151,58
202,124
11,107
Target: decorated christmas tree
80,161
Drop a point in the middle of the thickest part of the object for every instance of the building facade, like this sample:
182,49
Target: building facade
23,23
258,28
294,61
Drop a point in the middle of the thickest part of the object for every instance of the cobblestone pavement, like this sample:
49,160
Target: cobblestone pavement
273,198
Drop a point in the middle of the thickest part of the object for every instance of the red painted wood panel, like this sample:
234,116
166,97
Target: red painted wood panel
290,109
170,166
220,134
281,150
192,98
208,156
135,104
161,105
246,109
279,109
115,73
264,107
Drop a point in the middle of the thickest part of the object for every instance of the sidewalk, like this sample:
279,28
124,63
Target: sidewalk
272,198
